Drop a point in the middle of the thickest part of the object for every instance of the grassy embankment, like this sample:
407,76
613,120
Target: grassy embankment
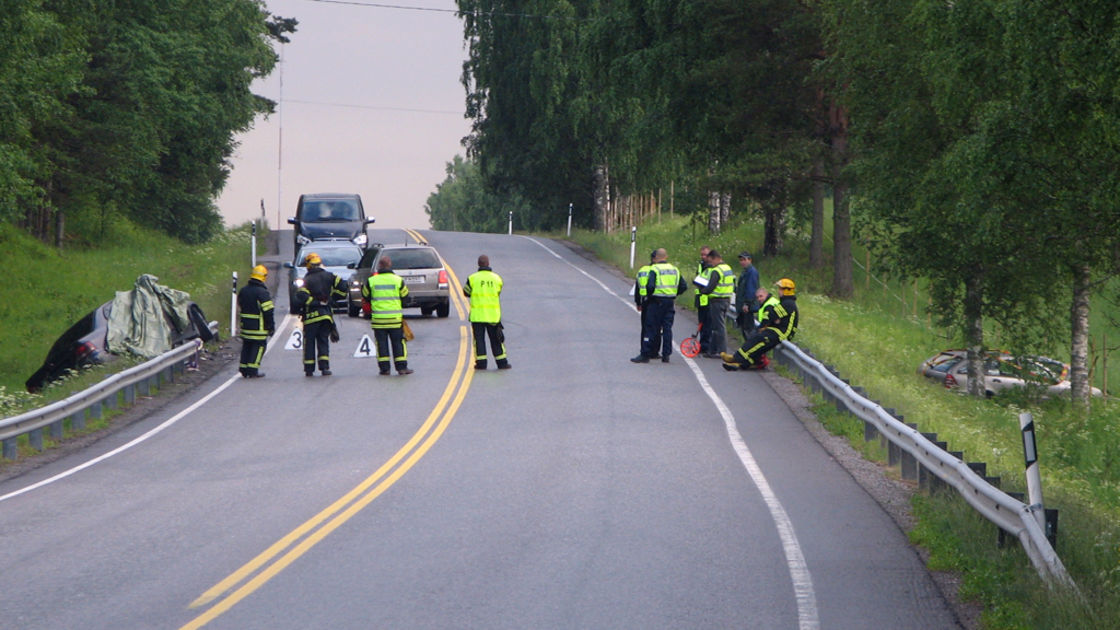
877,340
47,290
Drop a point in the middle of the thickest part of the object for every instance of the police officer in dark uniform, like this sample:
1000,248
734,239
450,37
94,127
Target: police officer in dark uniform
314,299
257,321
641,298
662,287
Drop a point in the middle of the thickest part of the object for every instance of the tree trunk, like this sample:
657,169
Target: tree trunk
1080,387
816,238
773,229
974,332
59,228
602,198
842,285
713,212
724,208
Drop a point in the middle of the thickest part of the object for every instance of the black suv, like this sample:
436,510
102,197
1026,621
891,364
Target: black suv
334,216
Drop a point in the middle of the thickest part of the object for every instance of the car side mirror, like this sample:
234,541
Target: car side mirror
370,220
292,220
352,265
289,265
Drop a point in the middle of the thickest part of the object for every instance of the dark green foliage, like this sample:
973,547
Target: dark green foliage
131,107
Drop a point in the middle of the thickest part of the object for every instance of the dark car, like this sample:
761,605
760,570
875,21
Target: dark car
339,258
330,216
83,344
421,269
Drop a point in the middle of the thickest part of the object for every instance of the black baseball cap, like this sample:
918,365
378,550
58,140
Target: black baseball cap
745,255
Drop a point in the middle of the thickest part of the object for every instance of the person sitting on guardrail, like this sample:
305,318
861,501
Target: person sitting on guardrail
778,320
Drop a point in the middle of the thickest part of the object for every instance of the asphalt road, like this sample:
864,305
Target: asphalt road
576,490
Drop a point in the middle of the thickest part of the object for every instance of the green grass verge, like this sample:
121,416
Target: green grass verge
877,340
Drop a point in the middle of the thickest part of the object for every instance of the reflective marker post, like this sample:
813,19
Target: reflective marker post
233,308
511,222
569,220
1030,459
633,235
253,238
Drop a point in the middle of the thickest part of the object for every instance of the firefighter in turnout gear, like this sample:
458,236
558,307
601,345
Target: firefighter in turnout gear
718,288
662,287
314,298
257,322
484,289
384,291
777,321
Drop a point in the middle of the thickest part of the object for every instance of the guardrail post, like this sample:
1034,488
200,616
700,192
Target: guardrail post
35,439
11,448
908,465
95,410
111,401
1051,527
145,387
55,430
78,420
129,395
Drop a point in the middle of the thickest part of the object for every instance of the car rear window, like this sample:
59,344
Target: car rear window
420,258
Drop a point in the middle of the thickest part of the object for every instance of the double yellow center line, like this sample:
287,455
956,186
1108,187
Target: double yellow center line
258,571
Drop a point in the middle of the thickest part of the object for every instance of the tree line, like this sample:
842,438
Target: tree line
126,109
971,143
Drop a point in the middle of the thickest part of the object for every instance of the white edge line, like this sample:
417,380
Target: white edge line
807,614
142,438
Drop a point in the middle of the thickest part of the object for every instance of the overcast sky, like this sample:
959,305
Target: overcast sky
371,103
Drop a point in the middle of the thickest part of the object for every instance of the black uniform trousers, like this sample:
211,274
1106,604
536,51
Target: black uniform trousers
757,344
646,328
391,340
497,336
317,345
252,351
745,322
703,313
659,327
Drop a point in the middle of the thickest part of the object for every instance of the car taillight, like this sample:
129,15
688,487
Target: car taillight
950,382
443,278
84,350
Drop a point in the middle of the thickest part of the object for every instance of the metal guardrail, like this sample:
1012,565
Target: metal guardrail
94,399
1006,512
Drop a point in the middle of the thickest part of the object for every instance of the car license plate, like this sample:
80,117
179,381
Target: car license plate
413,279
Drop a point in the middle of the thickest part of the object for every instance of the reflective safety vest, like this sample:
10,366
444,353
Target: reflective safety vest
484,288
384,292
640,286
701,298
724,278
666,278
